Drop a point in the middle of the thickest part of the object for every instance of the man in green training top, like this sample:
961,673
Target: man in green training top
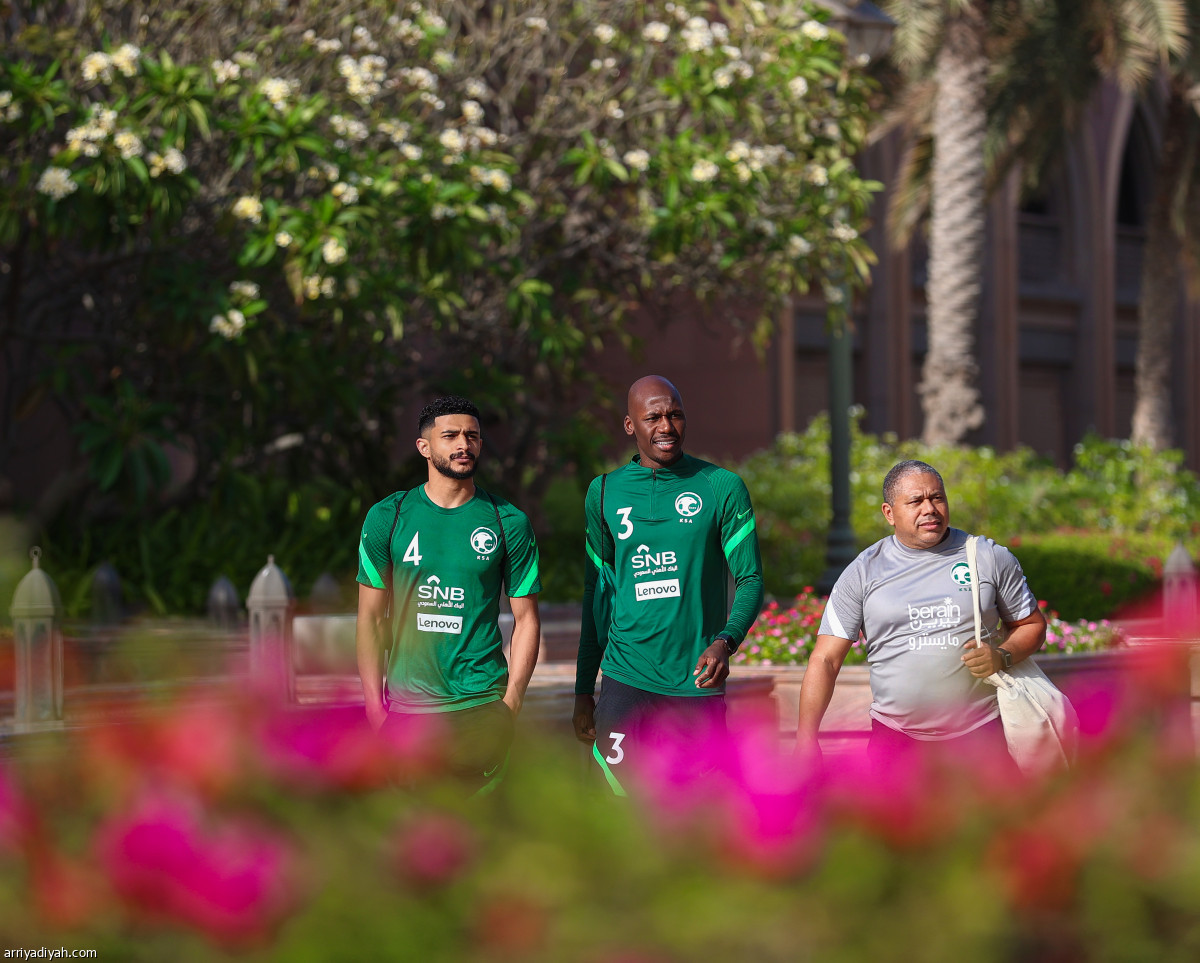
662,531
432,563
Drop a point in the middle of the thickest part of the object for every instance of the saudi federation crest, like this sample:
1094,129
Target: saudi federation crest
484,541
688,504
961,573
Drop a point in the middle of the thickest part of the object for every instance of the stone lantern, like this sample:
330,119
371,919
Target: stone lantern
272,603
37,636
223,604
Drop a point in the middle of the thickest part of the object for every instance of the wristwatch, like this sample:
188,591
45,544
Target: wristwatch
728,640
1006,656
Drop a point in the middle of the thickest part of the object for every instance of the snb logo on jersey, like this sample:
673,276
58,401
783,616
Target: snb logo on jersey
688,504
961,573
643,558
434,592
484,541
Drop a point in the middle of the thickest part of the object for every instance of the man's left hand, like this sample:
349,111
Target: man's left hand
712,668
981,660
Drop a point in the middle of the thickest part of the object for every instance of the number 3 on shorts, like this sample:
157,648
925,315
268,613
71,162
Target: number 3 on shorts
617,752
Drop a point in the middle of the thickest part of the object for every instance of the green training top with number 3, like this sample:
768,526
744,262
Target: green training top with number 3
446,568
655,594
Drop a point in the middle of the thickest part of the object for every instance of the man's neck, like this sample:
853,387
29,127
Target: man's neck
449,492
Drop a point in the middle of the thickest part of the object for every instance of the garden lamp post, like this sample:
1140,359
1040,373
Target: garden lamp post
868,32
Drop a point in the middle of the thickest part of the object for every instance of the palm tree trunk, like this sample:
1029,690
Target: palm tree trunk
949,394
1158,306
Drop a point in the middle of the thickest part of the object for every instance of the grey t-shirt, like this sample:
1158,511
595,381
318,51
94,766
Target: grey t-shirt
913,608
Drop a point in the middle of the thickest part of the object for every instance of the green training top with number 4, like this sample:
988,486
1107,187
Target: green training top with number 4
655,595
446,567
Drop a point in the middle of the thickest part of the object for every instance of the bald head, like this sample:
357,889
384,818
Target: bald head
648,387
656,421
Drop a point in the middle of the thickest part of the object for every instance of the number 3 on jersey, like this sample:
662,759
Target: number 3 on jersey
413,552
626,524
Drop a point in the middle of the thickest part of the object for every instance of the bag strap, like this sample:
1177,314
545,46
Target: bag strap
972,549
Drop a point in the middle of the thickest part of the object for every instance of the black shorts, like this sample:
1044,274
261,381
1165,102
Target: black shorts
476,743
633,724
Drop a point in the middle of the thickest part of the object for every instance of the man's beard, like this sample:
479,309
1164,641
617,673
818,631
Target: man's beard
457,471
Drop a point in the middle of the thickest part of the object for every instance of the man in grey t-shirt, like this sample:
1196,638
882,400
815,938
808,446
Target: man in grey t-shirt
909,597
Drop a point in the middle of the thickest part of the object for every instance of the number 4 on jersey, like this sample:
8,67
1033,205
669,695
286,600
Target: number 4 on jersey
413,552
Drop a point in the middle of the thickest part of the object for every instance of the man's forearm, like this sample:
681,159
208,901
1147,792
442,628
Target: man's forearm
747,603
522,658
368,649
815,693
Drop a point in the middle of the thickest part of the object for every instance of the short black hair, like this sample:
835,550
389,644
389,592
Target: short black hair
902,470
450,405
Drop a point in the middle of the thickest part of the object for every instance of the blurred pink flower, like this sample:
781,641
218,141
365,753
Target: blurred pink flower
433,848
229,881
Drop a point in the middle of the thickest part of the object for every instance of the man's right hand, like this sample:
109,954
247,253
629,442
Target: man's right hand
376,715
583,719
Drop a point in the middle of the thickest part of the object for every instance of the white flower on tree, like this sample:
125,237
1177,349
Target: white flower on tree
126,59
97,66
637,159
248,208
225,71
604,32
656,32
704,171
56,183
128,143
332,251
798,87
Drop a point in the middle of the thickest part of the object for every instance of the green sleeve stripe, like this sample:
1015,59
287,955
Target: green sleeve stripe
739,537
525,586
613,783
592,555
369,567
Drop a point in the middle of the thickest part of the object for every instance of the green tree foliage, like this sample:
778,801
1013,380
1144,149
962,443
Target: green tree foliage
243,235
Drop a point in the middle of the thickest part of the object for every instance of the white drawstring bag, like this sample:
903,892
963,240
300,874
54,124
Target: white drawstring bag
1040,724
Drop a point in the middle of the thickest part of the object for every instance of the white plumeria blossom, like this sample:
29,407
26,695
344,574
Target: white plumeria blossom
697,35
244,289
798,87
704,170
283,239
412,152
475,88
814,30
816,174
452,140
346,193
228,326
172,160
656,32
798,246
97,66
312,286
418,77
843,232
743,172
333,251
126,59
56,183
224,71
604,32
637,159
248,208
128,143
277,90
472,112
